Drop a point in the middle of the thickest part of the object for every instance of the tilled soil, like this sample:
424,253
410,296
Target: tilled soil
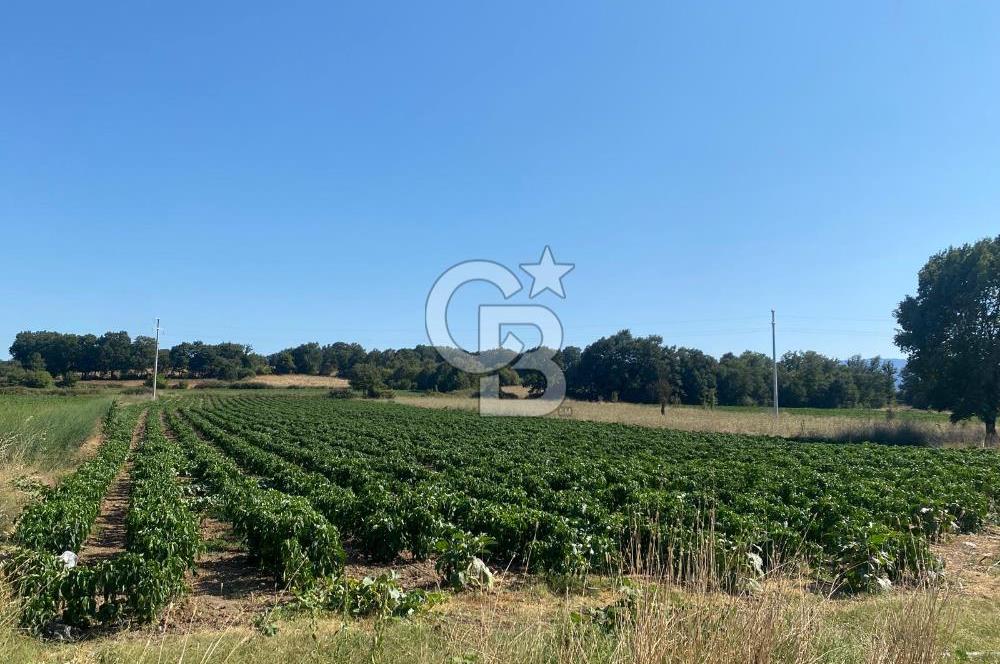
107,537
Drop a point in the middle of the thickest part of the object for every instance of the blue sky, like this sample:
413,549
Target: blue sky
304,171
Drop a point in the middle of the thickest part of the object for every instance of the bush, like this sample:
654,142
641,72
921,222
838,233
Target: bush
342,393
180,385
37,378
251,386
210,384
245,372
161,382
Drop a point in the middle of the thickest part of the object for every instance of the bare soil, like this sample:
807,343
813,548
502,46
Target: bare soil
88,448
107,537
227,588
972,563
412,573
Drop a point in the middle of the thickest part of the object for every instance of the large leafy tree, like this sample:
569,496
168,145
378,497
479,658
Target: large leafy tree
951,331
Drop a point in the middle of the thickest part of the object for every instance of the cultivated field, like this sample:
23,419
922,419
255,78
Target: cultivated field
239,527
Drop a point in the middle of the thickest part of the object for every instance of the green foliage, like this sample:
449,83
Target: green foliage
161,382
37,378
63,518
283,532
160,526
618,367
459,560
162,541
568,496
378,597
46,428
951,330
369,379
250,386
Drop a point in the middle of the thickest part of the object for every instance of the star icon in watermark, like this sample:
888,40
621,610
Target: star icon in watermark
547,274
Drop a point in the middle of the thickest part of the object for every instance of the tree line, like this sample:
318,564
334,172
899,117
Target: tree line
620,367
644,370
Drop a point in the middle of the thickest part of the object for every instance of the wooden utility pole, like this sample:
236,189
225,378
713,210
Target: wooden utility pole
156,357
774,362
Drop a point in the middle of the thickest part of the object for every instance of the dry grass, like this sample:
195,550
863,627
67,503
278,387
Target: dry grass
791,424
300,380
779,620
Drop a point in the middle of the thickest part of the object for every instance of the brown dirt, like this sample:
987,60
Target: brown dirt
107,537
227,588
412,573
972,563
88,449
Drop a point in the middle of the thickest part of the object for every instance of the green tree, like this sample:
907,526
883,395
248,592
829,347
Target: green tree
369,379
951,332
283,363
308,358
143,353
114,352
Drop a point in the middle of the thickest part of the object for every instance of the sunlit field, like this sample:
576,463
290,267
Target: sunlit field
643,608
46,429
896,426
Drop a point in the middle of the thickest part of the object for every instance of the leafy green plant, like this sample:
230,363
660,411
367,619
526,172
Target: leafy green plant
162,541
379,597
459,560
573,496
62,519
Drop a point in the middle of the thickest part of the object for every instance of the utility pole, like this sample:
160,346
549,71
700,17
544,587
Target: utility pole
156,358
774,363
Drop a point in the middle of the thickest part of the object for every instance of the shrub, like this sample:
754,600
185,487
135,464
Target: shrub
161,382
251,386
210,384
37,378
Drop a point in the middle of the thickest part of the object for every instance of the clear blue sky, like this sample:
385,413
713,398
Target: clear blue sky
303,171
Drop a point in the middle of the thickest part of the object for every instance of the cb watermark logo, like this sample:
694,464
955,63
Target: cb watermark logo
546,274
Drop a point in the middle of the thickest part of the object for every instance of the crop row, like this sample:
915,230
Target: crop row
283,532
162,541
62,519
566,494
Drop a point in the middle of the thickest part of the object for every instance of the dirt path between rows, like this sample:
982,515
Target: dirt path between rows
107,537
227,587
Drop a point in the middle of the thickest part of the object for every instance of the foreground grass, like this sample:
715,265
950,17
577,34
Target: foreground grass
44,430
535,625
